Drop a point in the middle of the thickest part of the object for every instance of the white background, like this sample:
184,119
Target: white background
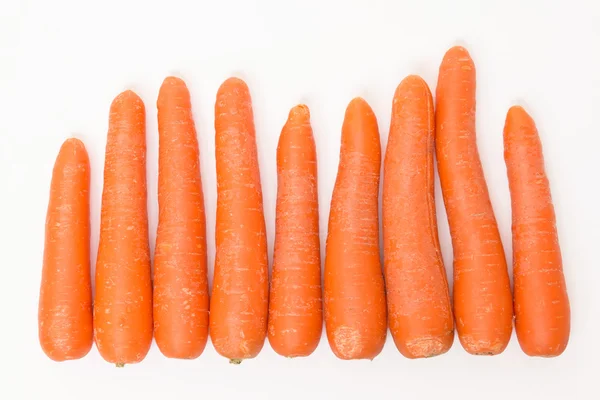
62,62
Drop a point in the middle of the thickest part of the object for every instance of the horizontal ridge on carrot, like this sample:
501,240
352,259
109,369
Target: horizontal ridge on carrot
65,303
541,302
354,296
123,301
295,308
419,308
482,296
180,271
240,293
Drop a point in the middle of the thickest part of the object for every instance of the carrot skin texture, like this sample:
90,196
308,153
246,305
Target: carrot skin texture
355,305
239,301
542,309
180,300
482,295
65,303
419,307
295,306
123,300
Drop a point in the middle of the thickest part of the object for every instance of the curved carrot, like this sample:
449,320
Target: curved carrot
239,302
65,305
419,308
123,302
180,271
295,309
541,302
482,296
355,309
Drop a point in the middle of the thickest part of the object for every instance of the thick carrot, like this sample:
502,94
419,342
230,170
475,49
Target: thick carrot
180,271
123,302
65,304
240,294
541,303
482,296
420,312
355,309
295,308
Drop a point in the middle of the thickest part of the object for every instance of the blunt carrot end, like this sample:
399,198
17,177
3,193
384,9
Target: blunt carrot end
299,112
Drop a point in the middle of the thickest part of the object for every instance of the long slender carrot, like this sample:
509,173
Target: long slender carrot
295,307
419,308
123,302
239,302
482,296
542,308
65,304
180,271
355,309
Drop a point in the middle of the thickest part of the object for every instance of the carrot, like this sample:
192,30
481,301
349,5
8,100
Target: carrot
239,302
180,271
295,309
541,303
420,312
123,302
355,309
482,296
65,304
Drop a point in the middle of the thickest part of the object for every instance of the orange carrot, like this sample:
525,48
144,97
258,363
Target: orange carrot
180,271
355,309
482,296
123,302
541,303
240,294
65,305
295,309
420,312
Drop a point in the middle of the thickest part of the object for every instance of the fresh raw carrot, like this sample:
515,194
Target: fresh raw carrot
419,308
65,305
295,307
541,303
180,271
482,296
240,294
355,309
123,302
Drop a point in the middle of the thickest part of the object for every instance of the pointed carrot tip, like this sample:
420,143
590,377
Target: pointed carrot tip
358,103
128,96
457,54
173,81
299,112
518,114
73,143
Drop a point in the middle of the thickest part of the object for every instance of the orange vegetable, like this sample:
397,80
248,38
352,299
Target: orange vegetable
482,296
239,302
123,302
355,309
65,305
295,309
420,313
180,271
541,302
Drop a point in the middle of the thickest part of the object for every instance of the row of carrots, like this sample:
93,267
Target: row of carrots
129,308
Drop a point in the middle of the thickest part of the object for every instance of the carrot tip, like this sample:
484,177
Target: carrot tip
128,96
300,112
173,80
235,361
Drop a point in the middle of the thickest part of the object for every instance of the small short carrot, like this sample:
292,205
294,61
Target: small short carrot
419,308
65,304
295,309
541,302
355,307
482,296
180,271
240,294
123,301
